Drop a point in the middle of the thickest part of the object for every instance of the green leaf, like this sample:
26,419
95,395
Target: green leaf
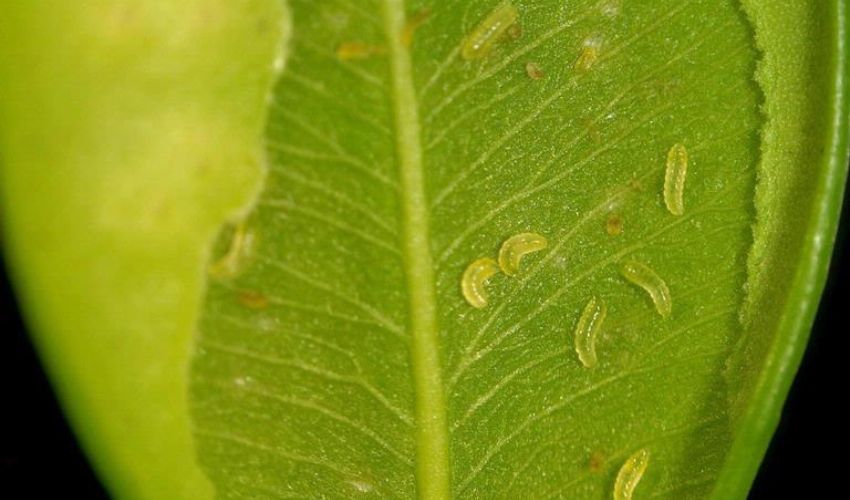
336,353
332,359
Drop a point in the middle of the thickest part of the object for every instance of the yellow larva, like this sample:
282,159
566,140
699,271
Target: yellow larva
516,247
481,40
674,179
588,55
630,474
241,243
587,329
474,278
640,274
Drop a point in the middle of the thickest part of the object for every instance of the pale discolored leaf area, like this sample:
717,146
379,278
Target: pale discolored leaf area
336,356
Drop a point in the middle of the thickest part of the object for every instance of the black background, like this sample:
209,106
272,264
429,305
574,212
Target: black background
39,457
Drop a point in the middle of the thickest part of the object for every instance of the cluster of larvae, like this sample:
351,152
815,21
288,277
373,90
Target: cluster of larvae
472,285
478,44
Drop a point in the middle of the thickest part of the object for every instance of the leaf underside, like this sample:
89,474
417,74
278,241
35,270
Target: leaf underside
336,355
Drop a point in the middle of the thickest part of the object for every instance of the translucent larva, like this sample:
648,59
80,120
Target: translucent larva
640,274
348,51
674,179
474,279
587,329
241,242
533,71
516,247
588,55
630,474
484,37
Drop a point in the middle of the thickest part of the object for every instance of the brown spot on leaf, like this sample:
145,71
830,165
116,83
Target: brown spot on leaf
253,299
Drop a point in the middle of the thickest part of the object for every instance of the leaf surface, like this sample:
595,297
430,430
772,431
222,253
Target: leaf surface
336,354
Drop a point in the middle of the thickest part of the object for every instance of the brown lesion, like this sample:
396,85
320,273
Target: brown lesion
614,225
514,31
253,299
532,69
357,50
413,23
596,462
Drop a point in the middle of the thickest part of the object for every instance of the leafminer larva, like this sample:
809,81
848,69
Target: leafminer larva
533,71
589,54
516,247
587,329
481,40
630,474
640,274
240,245
674,179
474,278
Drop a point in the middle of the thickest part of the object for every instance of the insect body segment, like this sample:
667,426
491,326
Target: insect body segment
674,179
484,37
587,329
630,474
516,247
642,275
474,279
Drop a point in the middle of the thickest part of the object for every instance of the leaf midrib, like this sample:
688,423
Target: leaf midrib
432,464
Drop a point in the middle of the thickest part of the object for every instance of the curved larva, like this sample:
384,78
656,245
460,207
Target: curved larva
640,274
474,278
630,474
587,329
241,244
674,179
481,40
516,247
